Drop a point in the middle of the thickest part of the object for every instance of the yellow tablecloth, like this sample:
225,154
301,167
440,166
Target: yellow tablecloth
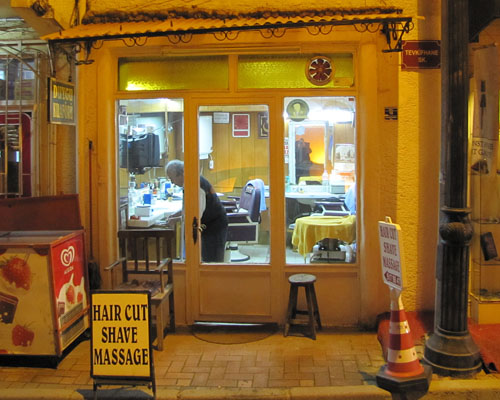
310,230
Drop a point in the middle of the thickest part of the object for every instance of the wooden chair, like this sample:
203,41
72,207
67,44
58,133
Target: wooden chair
144,267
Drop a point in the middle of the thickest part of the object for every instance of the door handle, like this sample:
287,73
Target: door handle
195,230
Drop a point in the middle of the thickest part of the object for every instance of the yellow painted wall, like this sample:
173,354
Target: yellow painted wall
398,160
418,160
400,165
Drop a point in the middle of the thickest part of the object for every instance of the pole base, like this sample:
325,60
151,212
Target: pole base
457,356
419,383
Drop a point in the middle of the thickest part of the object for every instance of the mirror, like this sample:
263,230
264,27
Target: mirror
321,143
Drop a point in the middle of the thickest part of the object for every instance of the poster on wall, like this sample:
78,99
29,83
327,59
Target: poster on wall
263,125
241,125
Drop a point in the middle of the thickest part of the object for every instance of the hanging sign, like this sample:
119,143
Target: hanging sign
421,54
390,254
61,102
121,338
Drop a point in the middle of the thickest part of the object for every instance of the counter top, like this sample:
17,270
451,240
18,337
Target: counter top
160,210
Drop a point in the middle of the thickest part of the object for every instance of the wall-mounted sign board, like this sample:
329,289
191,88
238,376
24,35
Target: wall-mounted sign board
421,54
61,102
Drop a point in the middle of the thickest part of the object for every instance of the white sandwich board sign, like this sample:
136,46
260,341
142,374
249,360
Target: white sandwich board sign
391,254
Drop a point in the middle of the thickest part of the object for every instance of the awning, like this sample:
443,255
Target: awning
392,24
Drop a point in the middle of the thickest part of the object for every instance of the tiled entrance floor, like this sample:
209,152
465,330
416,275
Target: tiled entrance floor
333,359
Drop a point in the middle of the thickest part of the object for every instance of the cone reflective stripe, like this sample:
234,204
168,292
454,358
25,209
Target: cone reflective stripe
402,360
399,331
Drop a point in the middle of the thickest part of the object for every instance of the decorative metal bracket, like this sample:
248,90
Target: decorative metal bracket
73,49
394,32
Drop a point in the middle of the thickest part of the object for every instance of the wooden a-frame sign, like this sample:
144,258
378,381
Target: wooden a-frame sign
121,348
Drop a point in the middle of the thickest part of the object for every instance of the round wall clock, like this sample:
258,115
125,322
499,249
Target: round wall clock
320,70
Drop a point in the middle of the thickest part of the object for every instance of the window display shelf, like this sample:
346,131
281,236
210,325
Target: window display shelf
486,295
483,222
484,263
491,263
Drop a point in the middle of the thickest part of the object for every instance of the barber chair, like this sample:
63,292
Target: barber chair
244,218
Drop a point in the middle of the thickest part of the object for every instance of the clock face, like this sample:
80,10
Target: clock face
320,70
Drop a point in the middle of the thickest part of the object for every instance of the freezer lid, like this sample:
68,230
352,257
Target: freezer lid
40,213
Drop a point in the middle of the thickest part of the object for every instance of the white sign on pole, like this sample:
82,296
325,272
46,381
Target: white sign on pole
391,254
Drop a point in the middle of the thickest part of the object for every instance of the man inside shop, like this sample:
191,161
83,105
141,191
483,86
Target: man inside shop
213,215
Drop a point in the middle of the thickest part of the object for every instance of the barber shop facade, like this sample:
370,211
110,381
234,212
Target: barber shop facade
317,124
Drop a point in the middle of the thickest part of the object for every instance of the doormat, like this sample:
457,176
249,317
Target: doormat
232,333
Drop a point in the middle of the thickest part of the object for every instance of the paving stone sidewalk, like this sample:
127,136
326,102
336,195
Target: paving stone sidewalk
335,364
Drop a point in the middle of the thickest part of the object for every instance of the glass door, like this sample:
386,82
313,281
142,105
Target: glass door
233,279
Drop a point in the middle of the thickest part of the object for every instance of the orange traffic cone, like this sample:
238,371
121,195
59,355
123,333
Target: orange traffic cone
402,357
403,372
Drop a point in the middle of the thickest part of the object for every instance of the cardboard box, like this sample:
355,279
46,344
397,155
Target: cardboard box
143,211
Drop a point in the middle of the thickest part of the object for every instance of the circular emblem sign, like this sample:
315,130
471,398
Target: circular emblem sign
297,110
320,70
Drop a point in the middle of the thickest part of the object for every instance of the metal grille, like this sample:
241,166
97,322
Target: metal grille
19,96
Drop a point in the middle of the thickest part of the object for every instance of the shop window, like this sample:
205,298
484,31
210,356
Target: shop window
17,94
170,73
320,173
150,133
292,71
17,79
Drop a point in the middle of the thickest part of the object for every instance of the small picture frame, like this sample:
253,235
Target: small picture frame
241,125
122,120
345,152
263,125
488,246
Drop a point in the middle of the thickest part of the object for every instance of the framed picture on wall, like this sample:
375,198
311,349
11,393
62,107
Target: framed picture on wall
263,125
241,125
345,152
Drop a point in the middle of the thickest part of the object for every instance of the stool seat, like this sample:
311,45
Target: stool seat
307,282
301,279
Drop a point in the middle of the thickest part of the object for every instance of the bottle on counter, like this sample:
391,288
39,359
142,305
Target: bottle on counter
168,190
325,181
132,198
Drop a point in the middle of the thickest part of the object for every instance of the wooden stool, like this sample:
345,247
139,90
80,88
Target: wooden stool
306,281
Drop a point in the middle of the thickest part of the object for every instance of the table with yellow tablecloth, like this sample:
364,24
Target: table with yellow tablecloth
310,230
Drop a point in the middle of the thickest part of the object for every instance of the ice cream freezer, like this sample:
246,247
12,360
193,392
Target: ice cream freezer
43,275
